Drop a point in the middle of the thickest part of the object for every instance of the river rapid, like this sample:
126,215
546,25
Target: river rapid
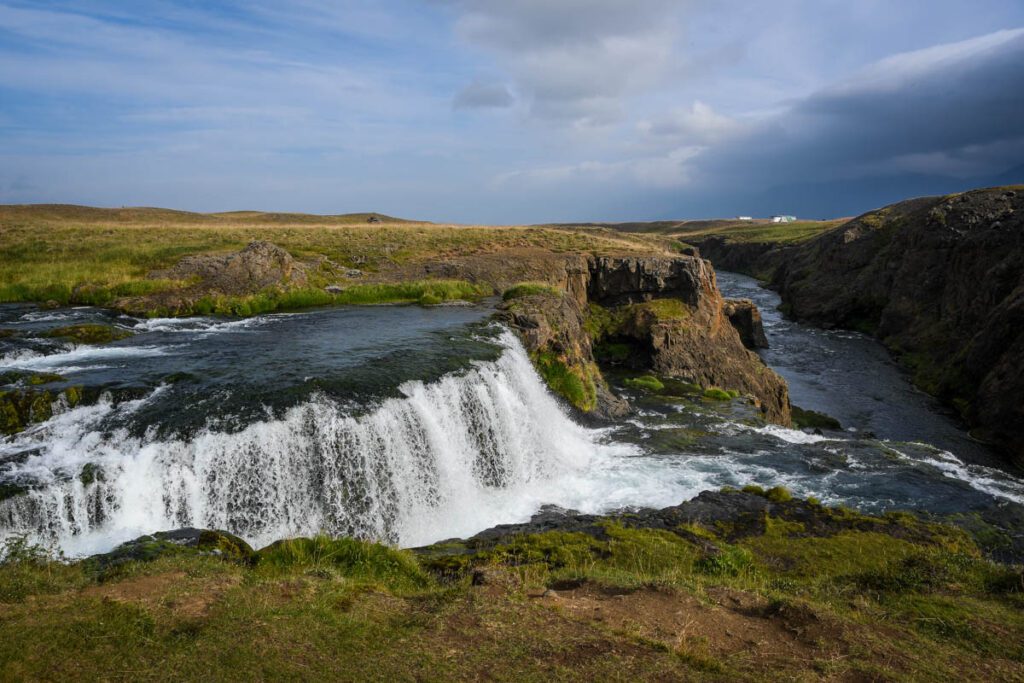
411,425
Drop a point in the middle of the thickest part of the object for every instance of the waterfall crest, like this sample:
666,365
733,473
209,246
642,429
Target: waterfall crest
448,458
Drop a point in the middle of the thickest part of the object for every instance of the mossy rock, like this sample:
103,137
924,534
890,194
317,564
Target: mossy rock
716,394
677,387
91,473
6,333
90,333
10,490
647,382
812,419
530,289
24,406
29,378
576,384
180,541
612,352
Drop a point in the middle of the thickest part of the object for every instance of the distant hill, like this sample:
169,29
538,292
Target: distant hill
145,214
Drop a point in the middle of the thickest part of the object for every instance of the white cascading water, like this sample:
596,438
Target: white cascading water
449,459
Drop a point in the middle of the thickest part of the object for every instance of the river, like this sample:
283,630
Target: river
412,425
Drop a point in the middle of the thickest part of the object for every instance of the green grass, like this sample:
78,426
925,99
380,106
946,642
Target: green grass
425,292
94,256
530,289
647,382
744,231
893,597
356,560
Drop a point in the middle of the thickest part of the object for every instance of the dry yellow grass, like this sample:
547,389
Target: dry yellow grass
47,251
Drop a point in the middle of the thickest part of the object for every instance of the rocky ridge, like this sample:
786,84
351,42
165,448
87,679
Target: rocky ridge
939,280
661,314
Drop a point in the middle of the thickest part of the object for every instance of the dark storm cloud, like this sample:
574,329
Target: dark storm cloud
954,110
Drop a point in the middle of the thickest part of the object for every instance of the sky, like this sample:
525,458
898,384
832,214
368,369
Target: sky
509,111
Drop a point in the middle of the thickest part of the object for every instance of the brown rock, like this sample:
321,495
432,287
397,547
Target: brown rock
939,280
259,265
745,317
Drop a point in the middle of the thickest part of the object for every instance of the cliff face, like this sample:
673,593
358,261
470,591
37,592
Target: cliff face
665,312
939,280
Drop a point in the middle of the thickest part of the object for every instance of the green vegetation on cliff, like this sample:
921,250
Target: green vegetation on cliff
825,593
530,289
576,384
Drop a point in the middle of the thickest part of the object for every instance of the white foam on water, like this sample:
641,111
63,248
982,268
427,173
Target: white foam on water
18,357
450,458
45,316
988,480
200,324
795,436
77,358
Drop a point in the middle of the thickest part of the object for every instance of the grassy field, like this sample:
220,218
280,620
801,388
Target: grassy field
887,599
751,231
93,256
733,230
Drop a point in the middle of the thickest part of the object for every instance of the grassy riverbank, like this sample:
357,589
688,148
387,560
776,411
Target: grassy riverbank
839,596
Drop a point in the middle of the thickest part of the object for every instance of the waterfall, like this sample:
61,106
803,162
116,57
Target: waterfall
449,458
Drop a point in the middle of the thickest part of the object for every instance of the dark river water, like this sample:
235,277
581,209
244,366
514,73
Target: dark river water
412,425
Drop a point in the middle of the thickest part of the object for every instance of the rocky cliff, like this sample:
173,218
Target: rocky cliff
939,280
661,314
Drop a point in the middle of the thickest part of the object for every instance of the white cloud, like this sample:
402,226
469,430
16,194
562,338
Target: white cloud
699,124
576,60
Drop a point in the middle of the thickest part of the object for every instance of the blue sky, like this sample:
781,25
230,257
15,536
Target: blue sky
511,111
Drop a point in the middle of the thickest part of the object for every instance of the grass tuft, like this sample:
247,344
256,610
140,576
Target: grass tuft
530,289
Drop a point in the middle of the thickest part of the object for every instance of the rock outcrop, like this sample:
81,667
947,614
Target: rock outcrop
187,540
745,317
552,328
939,280
259,265
667,316
732,513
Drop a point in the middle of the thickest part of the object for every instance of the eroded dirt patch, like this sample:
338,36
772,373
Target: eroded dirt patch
184,596
735,627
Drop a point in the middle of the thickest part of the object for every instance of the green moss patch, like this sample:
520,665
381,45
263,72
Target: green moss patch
575,384
812,419
716,394
646,382
21,407
90,333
